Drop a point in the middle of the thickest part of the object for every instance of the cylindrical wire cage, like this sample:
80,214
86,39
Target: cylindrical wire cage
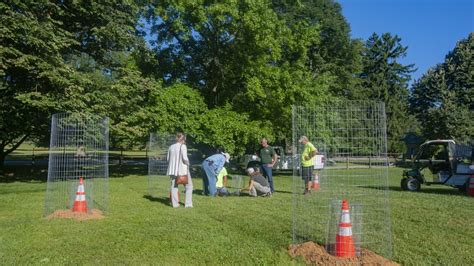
236,184
78,150
351,135
158,181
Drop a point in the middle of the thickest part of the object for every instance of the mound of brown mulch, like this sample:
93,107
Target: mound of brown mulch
92,215
316,254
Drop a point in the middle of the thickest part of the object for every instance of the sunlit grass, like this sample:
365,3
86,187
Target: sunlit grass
429,227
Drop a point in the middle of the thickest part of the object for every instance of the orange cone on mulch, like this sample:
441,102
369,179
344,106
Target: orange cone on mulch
80,204
344,243
315,185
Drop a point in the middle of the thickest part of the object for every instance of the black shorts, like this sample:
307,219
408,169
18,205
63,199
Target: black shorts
307,173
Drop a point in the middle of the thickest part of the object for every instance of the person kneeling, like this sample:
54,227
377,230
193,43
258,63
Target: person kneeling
221,183
258,185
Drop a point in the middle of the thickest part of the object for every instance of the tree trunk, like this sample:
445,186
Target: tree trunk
4,153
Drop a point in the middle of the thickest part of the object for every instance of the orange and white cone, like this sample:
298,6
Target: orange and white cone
344,243
80,204
315,185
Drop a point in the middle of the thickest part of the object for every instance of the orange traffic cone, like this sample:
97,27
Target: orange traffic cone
344,243
80,204
315,185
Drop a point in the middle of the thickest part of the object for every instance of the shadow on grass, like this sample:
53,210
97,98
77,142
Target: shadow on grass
283,192
288,173
198,192
24,173
126,170
39,173
424,189
162,200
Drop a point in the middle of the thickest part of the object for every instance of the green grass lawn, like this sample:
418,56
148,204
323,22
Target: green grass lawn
433,226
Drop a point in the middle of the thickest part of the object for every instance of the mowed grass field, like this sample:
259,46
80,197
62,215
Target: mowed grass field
434,226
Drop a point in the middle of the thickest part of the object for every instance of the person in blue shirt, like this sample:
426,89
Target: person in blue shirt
212,166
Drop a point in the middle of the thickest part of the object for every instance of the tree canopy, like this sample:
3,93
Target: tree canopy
44,47
385,79
443,99
226,73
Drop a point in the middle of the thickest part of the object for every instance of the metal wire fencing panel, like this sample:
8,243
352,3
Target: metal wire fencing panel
158,181
351,136
79,148
236,185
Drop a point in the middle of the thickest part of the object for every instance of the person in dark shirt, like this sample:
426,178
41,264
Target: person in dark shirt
258,185
268,158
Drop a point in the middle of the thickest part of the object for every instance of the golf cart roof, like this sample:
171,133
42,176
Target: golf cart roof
439,141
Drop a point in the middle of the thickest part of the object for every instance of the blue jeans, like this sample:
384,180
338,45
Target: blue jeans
209,181
267,172
223,191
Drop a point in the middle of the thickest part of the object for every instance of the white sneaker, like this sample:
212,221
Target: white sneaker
190,206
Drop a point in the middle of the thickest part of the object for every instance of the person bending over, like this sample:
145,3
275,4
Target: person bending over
212,166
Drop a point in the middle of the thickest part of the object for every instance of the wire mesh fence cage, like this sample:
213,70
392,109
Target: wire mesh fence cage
236,184
351,165
78,165
158,181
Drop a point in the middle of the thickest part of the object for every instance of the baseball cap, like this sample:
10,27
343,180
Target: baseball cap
227,156
303,138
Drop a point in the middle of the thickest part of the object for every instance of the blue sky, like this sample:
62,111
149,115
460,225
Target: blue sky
430,28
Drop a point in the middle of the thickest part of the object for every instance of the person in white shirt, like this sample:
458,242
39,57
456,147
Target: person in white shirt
178,164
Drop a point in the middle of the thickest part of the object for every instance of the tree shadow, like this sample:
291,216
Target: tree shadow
425,189
286,173
162,200
407,165
198,192
39,173
283,191
24,173
116,171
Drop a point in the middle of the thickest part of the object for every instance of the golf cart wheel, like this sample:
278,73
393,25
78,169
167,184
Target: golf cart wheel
410,184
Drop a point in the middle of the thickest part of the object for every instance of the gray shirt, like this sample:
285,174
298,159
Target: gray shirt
261,180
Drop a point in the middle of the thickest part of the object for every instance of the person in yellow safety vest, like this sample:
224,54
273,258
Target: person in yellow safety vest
221,183
307,162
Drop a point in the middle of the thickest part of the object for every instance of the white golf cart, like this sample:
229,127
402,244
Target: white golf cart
440,162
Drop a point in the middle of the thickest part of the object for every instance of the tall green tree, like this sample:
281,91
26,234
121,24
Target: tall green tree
228,130
443,98
240,53
37,77
209,44
335,55
181,108
385,79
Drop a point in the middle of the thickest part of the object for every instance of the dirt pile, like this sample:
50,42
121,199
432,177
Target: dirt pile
93,215
316,254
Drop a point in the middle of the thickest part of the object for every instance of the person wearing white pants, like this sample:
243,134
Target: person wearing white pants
178,165
188,193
